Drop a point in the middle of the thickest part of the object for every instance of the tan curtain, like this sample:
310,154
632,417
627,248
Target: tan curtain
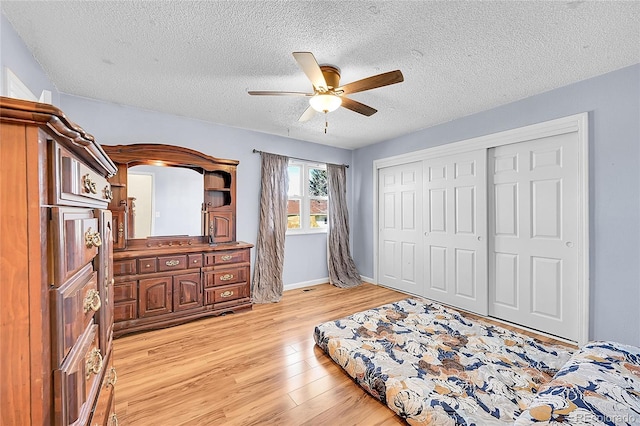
267,272
342,269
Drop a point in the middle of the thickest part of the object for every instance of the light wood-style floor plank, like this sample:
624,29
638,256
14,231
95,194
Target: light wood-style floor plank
257,367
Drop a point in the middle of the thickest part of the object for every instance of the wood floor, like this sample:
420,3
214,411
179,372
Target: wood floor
258,367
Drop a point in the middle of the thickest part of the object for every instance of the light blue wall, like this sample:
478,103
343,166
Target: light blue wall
613,103
15,56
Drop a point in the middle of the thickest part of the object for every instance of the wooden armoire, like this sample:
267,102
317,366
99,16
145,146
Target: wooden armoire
56,286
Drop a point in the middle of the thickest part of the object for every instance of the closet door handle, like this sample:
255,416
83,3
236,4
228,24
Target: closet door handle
479,238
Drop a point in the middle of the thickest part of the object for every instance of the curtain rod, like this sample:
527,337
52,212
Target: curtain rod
297,158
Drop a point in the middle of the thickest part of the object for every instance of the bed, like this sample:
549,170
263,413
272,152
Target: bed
431,365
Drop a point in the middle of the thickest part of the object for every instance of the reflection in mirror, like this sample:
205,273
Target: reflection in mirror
168,200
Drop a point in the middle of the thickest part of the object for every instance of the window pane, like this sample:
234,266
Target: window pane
318,217
293,214
294,181
318,182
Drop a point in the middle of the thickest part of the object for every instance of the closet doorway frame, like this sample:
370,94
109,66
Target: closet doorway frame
577,123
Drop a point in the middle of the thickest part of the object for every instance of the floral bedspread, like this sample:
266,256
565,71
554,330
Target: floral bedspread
600,385
432,366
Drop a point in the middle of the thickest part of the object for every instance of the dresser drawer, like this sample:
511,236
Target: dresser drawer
124,311
195,260
76,239
147,265
125,291
77,381
225,276
226,293
225,257
124,267
78,184
73,305
172,263
104,410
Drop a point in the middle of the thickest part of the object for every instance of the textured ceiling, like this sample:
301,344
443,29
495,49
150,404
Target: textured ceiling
198,59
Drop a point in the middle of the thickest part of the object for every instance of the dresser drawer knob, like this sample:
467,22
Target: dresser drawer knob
172,262
88,185
226,257
226,277
227,293
93,363
112,378
92,301
114,420
92,239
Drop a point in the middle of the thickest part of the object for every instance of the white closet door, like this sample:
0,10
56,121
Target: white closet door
533,247
400,237
455,223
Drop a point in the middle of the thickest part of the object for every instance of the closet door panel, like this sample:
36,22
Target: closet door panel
455,215
532,253
400,233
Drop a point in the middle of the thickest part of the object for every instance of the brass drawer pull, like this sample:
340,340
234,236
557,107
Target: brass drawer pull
92,239
226,277
88,185
227,293
93,363
108,193
226,257
112,377
114,420
92,301
172,262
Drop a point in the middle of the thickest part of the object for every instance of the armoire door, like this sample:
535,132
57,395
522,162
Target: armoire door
533,234
400,233
455,230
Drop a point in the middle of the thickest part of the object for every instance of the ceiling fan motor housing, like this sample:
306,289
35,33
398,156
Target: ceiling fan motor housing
331,76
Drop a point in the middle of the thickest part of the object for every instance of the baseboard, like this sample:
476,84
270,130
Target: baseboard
368,280
305,284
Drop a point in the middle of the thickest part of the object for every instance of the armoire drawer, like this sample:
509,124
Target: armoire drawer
105,405
225,293
73,306
225,276
226,257
76,238
76,382
78,184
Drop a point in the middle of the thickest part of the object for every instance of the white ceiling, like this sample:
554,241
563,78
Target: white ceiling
199,58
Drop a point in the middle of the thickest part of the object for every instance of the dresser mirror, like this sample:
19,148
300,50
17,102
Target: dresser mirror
166,200
164,191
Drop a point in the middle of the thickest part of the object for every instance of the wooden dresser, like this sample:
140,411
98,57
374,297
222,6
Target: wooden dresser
56,254
162,281
178,280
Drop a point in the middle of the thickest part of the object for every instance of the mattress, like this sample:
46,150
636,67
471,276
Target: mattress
431,365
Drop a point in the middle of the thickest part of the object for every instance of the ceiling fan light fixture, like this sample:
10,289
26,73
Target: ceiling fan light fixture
325,102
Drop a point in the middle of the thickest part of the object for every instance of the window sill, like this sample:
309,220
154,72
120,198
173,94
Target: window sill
306,232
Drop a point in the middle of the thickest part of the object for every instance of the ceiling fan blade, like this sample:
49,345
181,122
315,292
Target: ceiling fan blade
358,107
373,82
309,65
276,93
307,114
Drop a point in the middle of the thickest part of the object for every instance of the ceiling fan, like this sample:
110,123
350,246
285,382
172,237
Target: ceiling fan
327,94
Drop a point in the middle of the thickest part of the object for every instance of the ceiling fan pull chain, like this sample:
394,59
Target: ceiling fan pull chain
326,122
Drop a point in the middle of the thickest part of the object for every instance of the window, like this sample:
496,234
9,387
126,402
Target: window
307,197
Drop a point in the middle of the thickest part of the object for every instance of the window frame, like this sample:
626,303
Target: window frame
305,198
